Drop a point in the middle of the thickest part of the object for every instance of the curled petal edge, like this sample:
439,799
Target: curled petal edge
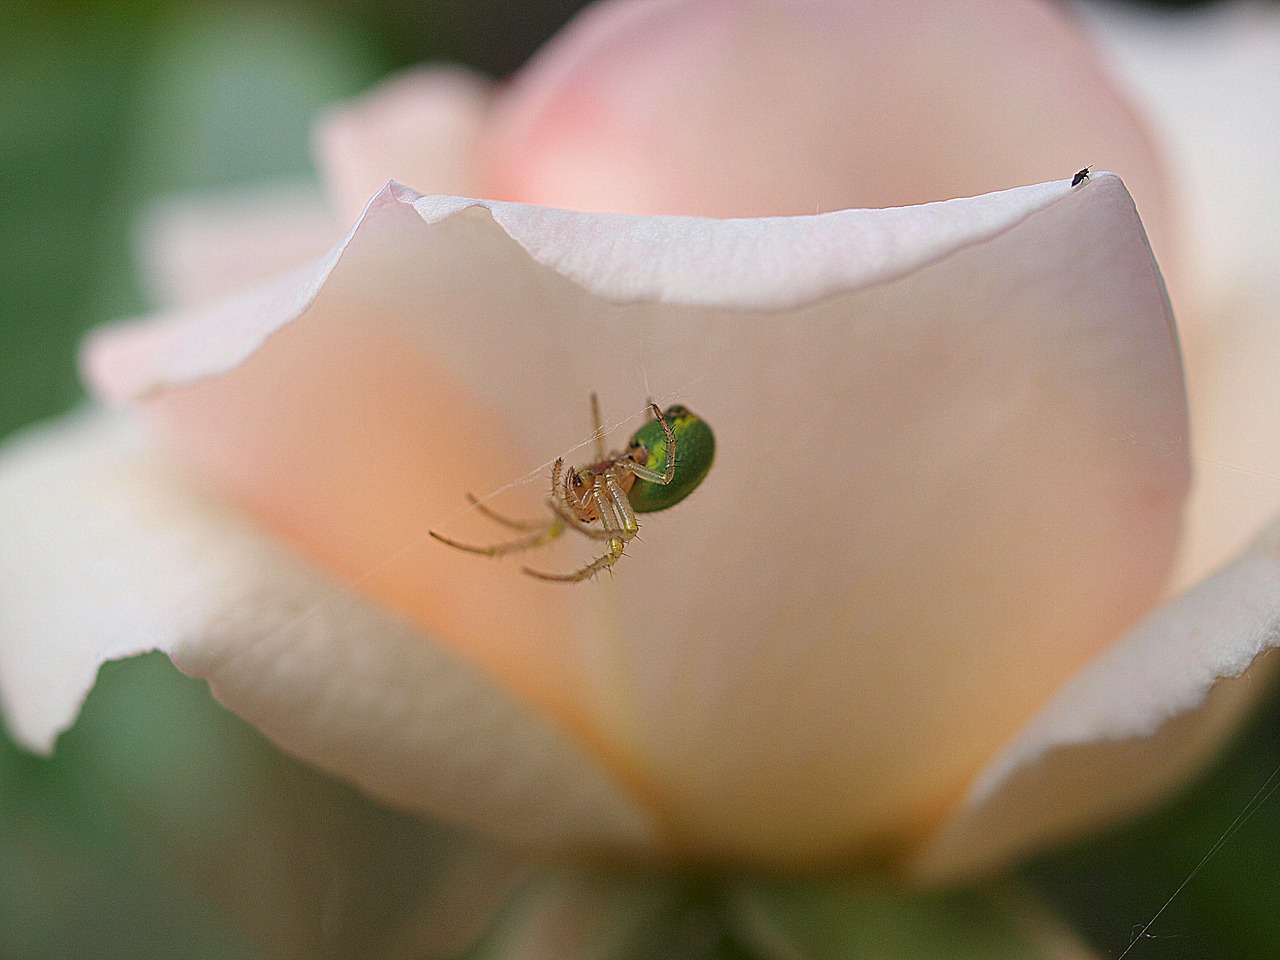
1141,718
759,263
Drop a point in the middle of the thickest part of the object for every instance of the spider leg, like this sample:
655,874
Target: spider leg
619,523
622,508
559,506
569,520
546,535
669,467
546,532
597,426
560,488
587,572
506,521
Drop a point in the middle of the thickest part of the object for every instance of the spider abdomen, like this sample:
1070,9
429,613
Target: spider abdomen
695,451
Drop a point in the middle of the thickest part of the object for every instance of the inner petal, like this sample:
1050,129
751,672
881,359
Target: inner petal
755,108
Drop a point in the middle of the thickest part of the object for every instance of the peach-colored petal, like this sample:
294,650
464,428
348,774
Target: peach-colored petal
1139,719
420,127
1235,406
108,550
196,249
760,107
1211,78
951,459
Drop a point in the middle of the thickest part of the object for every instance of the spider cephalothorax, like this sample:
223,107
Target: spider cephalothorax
663,462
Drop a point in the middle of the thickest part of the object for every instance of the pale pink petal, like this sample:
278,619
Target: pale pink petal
108,550
420,127
50,479
1138,720
1212,79
759,107
1235,406
195,249
951,459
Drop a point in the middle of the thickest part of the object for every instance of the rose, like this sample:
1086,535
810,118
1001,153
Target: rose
586,735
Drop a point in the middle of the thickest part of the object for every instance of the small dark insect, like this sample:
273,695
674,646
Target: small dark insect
1081,176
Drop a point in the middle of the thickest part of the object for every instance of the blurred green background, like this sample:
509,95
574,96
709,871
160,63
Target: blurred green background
158,802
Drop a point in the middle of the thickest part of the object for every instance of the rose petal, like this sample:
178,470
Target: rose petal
197,249
48,474
108,551
951,457
1138,720
420,127
752,107
1212,79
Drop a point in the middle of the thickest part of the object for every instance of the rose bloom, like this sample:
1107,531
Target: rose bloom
950,591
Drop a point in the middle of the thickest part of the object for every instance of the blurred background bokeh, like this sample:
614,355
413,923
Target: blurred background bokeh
158,811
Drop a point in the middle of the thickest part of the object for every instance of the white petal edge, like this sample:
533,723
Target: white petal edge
106,551
748,264
1139,719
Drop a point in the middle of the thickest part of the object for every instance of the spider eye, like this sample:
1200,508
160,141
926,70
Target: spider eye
634,444
674,413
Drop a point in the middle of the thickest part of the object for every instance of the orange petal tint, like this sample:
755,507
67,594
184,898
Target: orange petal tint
950,465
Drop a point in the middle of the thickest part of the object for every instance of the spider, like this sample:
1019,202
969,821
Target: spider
649,475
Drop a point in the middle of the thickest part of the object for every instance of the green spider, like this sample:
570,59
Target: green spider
646,477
